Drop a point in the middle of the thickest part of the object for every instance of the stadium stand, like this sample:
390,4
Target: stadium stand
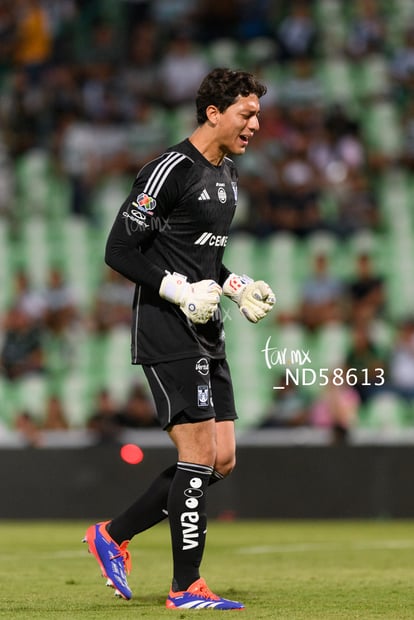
40,230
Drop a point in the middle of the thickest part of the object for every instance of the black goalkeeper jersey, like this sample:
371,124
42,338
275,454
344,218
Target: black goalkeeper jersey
177,219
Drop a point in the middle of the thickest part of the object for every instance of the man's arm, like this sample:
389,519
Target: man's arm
133,229
224,274
123,255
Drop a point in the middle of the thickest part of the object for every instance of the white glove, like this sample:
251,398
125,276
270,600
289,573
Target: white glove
198,300
255,299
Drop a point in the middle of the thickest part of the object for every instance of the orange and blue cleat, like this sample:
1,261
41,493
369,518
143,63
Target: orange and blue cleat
113,559
198,596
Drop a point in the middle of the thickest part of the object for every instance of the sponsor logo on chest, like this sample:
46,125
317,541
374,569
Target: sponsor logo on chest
208,238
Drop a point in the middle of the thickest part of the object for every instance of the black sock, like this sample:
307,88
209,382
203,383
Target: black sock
149,509
146,511
187,501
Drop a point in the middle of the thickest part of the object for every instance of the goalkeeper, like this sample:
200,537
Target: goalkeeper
169,238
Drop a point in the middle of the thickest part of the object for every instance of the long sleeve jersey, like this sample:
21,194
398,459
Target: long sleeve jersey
176,218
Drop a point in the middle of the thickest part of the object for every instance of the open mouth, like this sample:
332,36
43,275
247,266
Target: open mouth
244,139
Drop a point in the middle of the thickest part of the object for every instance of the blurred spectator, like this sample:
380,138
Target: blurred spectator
296,34
340,121
24,114
104,420
89,151
357,206
216,19
62,100
337,146
407,126
366,291
401,363
27,428
336,408
173,13
402,68
367,30
77,159
295,202
7,180
254,19
259,180
138,411
63,18
337,150
33,45
322,296
367,362
113,302
289,407
146,133
181,70
7,34
27,298
61,310
100,53
137,77
302,86
22,351
55,416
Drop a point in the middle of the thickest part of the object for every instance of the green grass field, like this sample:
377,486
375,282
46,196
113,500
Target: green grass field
284,570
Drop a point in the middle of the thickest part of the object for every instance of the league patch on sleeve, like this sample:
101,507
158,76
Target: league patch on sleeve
145,203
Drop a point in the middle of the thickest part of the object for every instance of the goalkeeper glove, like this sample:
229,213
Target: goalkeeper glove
255,299
198,300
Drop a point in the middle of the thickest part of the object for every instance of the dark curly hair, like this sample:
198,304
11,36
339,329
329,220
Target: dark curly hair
221,87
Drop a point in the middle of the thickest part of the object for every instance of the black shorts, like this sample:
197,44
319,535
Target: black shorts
191,390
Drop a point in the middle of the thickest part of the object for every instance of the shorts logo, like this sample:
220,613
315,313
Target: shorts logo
202,366
203,396
145,203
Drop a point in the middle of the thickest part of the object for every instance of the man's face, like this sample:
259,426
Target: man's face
237,124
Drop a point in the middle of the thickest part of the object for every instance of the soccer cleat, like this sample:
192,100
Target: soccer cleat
198,596
113,559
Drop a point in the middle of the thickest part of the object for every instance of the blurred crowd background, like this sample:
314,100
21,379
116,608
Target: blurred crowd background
90,90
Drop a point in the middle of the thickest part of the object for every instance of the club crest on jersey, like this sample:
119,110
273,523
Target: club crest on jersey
145,203
203,396
222,196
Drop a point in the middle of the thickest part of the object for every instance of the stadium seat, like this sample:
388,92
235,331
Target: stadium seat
371,77
382,130
336,78
280,266
5,262
258,51
385,412
77,398
331,24
223,53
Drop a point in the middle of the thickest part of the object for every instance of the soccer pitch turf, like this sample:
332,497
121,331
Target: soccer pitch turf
283,570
